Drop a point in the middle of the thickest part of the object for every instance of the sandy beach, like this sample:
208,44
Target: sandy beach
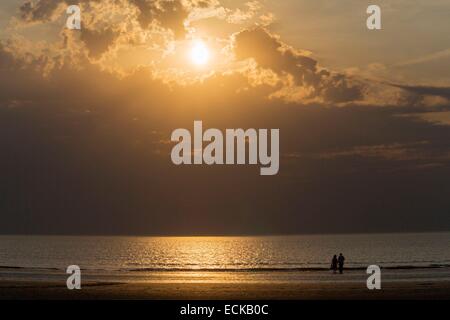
221,291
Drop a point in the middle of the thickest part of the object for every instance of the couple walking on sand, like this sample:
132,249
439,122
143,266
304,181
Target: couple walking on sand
338,261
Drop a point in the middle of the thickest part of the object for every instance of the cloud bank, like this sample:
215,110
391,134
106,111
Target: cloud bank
85,117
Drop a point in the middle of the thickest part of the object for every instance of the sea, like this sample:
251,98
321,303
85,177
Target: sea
401,257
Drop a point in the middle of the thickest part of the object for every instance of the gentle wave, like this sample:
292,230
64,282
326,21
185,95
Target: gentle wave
256,269
29,268
402,267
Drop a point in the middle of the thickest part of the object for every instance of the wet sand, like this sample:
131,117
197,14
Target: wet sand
225,291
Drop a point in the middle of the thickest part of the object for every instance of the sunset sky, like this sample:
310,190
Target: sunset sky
86,116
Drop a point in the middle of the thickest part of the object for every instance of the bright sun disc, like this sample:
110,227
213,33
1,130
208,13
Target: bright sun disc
199,53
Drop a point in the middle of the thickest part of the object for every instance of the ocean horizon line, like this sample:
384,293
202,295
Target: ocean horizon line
229,235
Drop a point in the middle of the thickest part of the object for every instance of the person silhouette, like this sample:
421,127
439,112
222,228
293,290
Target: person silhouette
334,264
341,260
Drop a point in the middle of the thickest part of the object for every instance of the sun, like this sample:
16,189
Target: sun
199,53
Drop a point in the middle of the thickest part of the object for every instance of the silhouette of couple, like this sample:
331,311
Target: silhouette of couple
338,262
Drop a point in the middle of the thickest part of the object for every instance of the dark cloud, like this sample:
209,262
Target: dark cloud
98,41
45,10
269,52
146,11
42,10
426,90
170,14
